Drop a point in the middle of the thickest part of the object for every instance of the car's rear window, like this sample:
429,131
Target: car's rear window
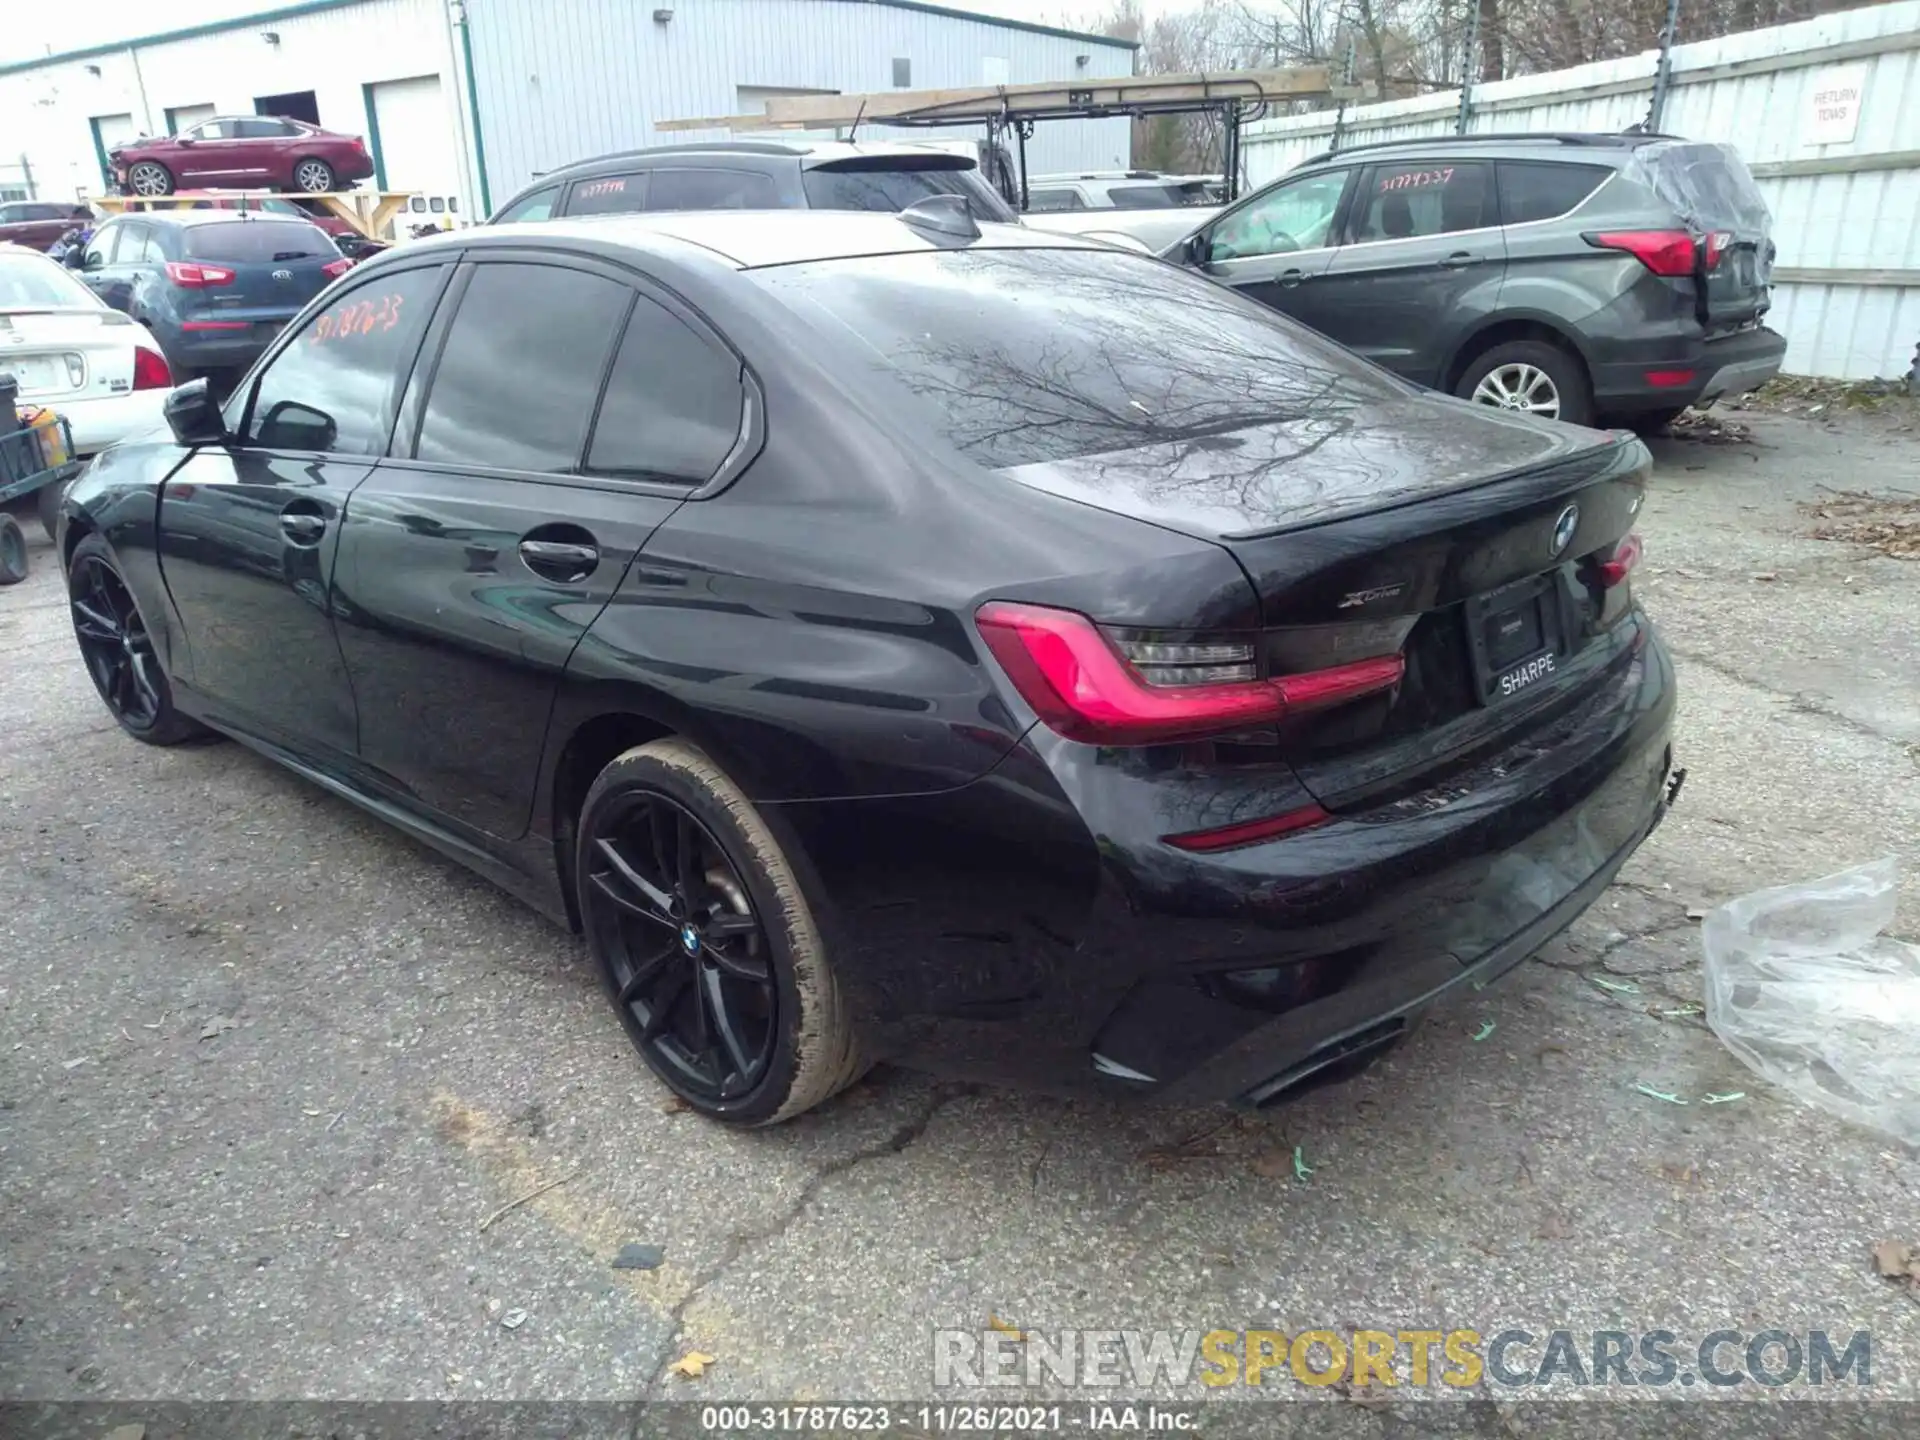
1540,189
35,283
1021,357
258,240
1145,197
891,185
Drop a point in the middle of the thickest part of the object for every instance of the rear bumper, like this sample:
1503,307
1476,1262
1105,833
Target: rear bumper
1033,928
1688,371
110,419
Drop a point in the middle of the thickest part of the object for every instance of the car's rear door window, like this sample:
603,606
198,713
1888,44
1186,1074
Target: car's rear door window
1055,198
537,206
521,367
607,195
1425,197
890,184
678,189
1540,190
333,386
258,241
673,407
1145,197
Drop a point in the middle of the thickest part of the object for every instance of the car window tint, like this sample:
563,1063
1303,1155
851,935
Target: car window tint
1018,357
100,248
1298,215
891,185
138,247
607,195
333,387
1429,197
521,368
1532,190
260,129
1040,200
673,405
537,206
1144,197
245,241
712,190
216,130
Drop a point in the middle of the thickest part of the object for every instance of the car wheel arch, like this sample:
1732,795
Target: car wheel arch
1508,327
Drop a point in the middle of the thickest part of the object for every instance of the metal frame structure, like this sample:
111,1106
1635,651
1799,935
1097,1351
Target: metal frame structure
1236,96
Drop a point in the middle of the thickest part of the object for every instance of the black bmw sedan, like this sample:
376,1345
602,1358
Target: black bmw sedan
891,638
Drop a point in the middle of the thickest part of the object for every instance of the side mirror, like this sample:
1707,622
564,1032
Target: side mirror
192,415
1199,249
74,258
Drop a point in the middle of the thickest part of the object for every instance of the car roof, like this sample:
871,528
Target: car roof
1572,145
212,217
807,152
751,239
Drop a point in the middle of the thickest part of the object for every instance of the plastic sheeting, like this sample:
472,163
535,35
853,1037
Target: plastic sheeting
1803,986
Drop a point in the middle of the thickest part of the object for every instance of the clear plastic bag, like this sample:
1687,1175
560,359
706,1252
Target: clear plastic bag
1804,988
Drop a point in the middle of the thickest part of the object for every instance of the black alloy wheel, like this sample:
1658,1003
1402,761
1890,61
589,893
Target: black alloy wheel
118,651
690,957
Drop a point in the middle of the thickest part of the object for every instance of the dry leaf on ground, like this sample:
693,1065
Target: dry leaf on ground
692,1365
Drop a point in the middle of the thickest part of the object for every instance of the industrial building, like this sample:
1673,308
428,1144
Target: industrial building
470,99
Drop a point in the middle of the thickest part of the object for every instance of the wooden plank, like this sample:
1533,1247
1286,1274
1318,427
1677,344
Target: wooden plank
978,102
350,206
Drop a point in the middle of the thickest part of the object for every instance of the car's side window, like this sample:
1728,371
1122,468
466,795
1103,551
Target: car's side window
100,248
1426,197
1298,215
137,247
537,206
521,368
674,189
1057,198
214,130
333,387
674,403
262,129
1541,190
609,195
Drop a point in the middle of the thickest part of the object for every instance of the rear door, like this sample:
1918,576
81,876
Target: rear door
1422,264
248,531
253,273
475,559
1277,246
112,261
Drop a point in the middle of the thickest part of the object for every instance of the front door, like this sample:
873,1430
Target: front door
472,566
248,531
1422,264
1276,246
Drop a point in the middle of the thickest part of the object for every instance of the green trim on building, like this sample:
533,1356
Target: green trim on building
100,154
473,114
373,136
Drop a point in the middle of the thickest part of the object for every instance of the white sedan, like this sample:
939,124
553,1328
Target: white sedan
74,355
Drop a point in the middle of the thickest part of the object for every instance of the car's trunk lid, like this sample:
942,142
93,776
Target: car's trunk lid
1711,189
66,354
277,266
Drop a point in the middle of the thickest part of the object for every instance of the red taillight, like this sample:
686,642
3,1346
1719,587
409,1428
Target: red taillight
1251,832
1664,252
1075,681
1717,244
334,269
189,275
1609,570
150,370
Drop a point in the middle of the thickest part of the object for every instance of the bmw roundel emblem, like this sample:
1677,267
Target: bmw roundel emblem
690,939
1563,529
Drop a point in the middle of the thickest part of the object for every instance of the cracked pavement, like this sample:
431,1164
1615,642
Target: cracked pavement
267,1066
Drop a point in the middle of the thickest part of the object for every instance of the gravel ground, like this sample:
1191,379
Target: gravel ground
266,1067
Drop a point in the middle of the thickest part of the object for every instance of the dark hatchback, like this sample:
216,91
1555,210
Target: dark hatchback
891,639
214,286
1578,277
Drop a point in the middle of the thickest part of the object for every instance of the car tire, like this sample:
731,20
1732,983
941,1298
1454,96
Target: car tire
313,176
149,177
131,681
755,986
48,502
13,550
1530,371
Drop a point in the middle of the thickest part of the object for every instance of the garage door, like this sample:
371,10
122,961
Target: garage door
416,139
185,117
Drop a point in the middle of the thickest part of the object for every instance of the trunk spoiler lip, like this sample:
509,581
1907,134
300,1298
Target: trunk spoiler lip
1626,451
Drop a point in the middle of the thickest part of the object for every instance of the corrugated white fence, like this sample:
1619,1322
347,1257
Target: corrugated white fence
1841,177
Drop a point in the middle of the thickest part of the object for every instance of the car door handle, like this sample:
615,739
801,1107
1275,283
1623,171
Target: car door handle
1291,278
302,528
1459,260
560,560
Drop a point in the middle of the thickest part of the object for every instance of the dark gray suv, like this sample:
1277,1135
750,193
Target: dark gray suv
1608,278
